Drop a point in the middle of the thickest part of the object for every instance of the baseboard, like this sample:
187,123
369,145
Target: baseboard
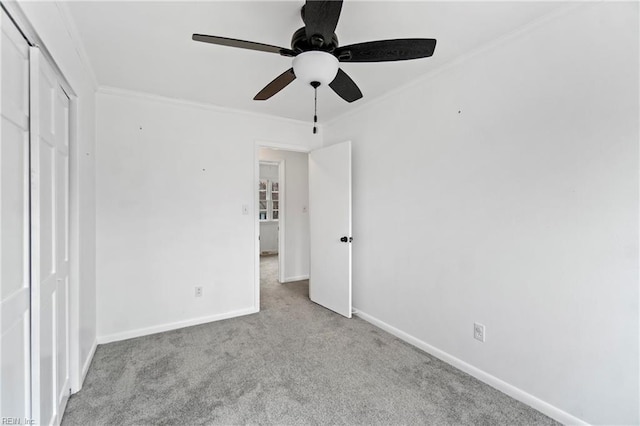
514,392
297,278
87,362
115,337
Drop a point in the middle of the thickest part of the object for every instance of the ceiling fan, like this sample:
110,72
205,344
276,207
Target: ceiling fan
316,53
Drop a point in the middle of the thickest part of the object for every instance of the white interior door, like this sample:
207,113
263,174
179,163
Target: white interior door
50,242
15,355
330,227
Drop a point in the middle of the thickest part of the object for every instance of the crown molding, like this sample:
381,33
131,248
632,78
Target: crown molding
134,94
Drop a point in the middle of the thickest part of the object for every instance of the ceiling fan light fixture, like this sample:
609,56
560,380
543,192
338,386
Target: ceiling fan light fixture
315,65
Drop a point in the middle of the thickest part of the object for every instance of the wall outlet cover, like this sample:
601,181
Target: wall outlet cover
478,331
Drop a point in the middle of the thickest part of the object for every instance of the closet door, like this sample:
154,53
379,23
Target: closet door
15,314
50,242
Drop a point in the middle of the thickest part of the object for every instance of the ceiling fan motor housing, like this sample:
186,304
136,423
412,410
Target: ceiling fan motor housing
300,42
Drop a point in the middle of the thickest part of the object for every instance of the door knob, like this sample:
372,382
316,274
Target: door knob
346,239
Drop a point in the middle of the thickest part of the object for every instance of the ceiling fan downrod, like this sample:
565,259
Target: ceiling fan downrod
315,86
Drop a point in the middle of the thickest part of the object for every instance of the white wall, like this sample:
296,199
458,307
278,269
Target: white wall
51,23
296,220
510,197
172,178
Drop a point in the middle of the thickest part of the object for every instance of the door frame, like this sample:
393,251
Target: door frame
76,370
282,218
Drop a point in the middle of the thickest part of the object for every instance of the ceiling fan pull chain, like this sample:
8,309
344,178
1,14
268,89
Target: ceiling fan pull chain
315,109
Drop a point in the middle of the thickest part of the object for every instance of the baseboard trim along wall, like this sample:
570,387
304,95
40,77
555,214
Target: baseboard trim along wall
115,337
514,392
87,363
297,278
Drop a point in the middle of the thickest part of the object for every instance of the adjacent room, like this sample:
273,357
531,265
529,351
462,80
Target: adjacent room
320,212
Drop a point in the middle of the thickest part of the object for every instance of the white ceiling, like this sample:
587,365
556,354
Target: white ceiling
146,46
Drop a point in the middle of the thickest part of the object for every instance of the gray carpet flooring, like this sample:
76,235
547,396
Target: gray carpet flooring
293,363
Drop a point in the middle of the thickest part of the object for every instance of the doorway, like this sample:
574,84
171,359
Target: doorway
282,216
318,180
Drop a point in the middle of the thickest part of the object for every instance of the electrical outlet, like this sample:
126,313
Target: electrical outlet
478,331
198,291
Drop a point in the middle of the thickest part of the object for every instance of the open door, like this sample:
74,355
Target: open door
330,227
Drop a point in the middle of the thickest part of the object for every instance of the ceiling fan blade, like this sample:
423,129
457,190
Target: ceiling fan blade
321,18
387,50
243,44
279,83
345,87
